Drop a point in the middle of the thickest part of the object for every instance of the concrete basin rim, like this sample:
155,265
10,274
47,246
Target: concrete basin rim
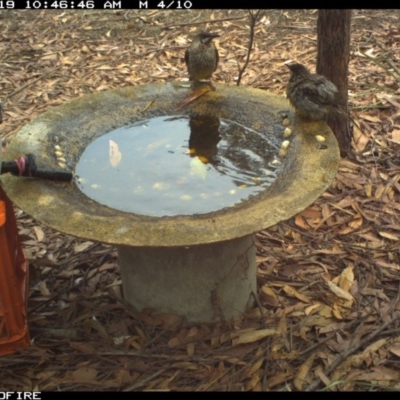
134,230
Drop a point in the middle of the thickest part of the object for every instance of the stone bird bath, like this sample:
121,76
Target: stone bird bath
200,266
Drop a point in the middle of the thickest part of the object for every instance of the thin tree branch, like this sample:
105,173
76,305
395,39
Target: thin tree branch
254,17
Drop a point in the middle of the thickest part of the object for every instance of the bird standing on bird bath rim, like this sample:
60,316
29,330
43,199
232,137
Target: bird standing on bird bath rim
202,58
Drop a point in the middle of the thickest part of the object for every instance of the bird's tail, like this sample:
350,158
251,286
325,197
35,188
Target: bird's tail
348,116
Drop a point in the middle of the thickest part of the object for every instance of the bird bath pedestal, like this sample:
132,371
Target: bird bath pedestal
200,266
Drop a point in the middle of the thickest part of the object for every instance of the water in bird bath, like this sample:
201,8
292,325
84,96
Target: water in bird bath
178,165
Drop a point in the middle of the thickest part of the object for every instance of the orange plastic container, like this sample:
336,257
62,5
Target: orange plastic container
14,332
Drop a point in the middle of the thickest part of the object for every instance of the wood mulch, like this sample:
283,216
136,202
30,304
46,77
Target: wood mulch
328,278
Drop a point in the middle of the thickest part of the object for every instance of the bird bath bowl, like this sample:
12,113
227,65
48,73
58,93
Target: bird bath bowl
196,264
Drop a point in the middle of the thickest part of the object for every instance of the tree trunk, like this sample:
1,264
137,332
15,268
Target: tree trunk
333,29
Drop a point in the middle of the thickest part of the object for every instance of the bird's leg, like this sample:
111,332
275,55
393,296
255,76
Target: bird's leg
201,83
211,85
195,84
209,82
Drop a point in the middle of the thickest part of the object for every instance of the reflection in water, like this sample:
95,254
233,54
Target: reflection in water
168,166
204,137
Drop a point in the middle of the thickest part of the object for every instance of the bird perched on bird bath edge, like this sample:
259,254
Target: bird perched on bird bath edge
202,57
312,95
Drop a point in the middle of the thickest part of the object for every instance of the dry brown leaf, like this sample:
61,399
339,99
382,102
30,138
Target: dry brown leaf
311,308
129,342
278,379
396,135
326,313
320,373
375,292
346,278
311,213
346,231
293,292
388,235
332,252
337,311
370,118
190,349
141,334
164,384
379,191
102,87
299,221
101,330
215,341
356,223
39,233
105,67
123,376
49,57
254,381
253,336
300,379
395,350
82,246
66,61
291,270
84,374
373,347
169,321
375,377
43,289
269,296
392,101
340,292
360,140
185,365
281,329
368,189
83,347
385,264
175,341
346,202
388,371
256,366
107,266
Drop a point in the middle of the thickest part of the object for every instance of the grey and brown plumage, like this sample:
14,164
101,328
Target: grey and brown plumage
312,95
202,57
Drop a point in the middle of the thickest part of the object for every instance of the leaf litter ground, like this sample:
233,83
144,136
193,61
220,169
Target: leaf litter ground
328,279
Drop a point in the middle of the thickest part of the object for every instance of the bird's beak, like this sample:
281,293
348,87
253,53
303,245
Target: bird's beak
288,63
210,36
